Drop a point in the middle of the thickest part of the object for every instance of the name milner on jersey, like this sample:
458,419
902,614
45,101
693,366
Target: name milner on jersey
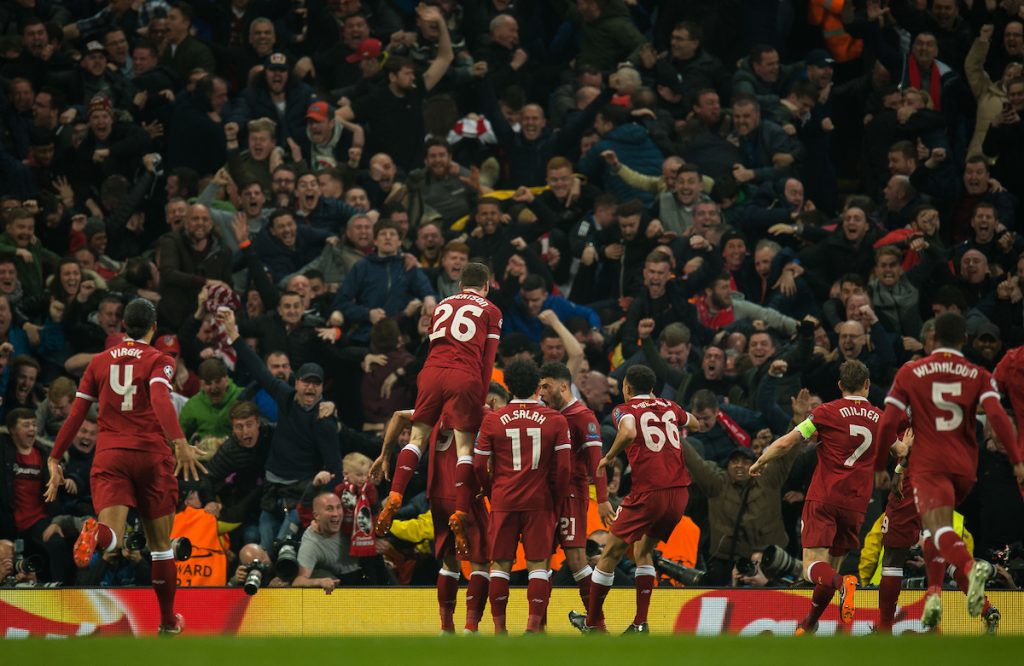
527,414
849,412
945,367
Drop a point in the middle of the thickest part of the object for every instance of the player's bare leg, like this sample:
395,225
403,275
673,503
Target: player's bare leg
405,466
576,560
889,587
476,595
498,593
164,571
447,591
465,491
820,568
600,583
645,574
104,532
538,594
951,548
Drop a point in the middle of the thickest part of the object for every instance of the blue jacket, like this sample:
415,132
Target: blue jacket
378,282
255,102
635,149
517,320
329,215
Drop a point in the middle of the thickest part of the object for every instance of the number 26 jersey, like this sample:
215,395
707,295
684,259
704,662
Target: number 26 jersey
459,331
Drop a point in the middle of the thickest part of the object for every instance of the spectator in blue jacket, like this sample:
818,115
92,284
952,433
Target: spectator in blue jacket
380,285
532,299
633,146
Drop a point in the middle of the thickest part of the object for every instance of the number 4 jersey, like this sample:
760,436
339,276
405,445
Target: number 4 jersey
655,454
847,430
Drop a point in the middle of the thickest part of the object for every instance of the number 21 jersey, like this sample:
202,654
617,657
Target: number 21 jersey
655,455
459,331
942,392
847,432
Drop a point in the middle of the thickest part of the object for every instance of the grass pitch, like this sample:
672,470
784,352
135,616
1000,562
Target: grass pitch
517,651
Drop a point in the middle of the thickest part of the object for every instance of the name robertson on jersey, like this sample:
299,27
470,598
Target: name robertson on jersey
945,367
849,412
482,302
527,414
121,352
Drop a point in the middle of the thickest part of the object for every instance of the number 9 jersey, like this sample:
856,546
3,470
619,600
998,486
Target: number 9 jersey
655,455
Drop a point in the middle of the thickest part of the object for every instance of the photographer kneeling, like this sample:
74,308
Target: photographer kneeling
324,559
255,570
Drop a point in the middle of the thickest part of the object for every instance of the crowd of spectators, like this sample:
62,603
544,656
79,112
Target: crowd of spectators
740,195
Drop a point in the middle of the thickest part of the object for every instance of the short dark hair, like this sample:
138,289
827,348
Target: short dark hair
278,214
244,409
804,89
759,51
615,114
185,9
437,142
630,208
853,375
16,415
853,278
521,377
658,257
212,369
533,282
138,318
384,224
950,330
475,275
703,399
693,29
556,370
499,390
641,378
907,148
395,64
950,295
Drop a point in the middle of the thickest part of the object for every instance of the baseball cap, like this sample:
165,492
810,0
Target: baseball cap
310,371
94,47
319,111
277,61
368,48
819,58
168,344
988,329
742,452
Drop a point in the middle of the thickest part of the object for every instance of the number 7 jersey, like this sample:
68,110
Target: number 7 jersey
847,436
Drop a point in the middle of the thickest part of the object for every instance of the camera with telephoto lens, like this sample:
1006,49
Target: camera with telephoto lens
25,564
676,571
254,576
746,566
1009,557
287,560
777,563
134,537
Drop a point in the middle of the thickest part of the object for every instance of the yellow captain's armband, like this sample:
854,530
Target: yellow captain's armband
807,429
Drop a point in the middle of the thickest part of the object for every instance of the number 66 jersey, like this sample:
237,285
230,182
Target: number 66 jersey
655,455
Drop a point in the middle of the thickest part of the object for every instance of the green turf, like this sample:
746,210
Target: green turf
522,651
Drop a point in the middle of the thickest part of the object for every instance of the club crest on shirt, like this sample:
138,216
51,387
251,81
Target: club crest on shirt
592,428
169,371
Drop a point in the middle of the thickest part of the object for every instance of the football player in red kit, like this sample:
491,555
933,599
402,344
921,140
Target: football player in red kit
649,429
840,488
526,446
133,465
464,334
585,434
941,394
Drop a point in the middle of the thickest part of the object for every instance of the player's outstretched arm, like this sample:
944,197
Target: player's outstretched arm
781,446
1005,433
381,467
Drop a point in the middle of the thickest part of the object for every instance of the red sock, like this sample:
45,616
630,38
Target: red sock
538,592
405,467
644,586
544,619
498,592
105,537
888,597
953,550
820,600
447,590
583,583
935,565
476,598
165,577
600,583
465,484
822,573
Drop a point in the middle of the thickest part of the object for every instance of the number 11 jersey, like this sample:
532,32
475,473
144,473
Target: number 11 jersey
847,432
119,379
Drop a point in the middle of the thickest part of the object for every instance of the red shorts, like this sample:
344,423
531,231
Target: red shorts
536,529
901,524
654,514
455,393
932,491
126,477
832,527
572,522
444,543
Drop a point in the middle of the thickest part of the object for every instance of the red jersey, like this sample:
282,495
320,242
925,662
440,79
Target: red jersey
585,434
528,444
655,454
1009,375
459,331
119,379
29,508
941,392
847,436
441,464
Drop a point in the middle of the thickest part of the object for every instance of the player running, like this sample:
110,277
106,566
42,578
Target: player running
941,393
133,466
585,435
649,430
527,446
840,488
464,333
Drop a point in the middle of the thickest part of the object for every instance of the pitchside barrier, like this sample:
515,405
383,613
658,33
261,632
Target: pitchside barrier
58,613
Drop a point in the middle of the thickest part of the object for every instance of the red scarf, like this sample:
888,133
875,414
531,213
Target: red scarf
733,429
934,85
713,321
357,507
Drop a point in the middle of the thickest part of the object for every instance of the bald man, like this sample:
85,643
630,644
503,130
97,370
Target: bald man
323,556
